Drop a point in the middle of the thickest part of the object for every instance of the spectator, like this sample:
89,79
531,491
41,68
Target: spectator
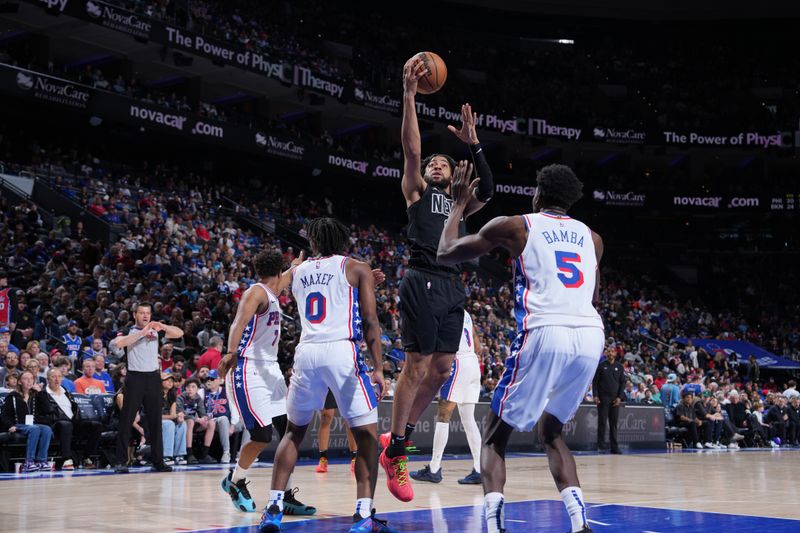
793,428
212,356
33,366
710,422
670,392
66,421
178,368
10,363
759,426
791,390
173,425
165,356
191,405
608,388
100,373
25,411
72,340
216,402
5,337
778,418
686,418
87,384
67,379
10,383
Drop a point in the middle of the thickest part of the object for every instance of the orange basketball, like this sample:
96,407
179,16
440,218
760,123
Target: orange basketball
437,73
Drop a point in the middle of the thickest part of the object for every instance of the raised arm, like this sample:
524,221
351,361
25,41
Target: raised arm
126,340
507,232
469,136
285,279
359,275
248,306
413,185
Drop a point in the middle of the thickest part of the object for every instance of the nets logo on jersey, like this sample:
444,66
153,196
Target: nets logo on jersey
441,204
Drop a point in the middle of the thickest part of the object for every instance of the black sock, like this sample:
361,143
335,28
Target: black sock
353,454
397,446
323,454
409,431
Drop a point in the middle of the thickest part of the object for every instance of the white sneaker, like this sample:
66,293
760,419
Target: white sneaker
737,437
733,446
699,446
226,457
180,460
774,444
168,461
709,445
68,465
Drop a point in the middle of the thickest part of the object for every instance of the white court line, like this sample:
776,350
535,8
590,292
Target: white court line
520,521
598,523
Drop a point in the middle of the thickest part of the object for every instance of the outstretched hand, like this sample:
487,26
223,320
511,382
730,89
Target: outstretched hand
467,133
378,276
297,261
462,190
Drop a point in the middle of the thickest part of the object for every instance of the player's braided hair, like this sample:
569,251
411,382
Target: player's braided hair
268,263
328,236
558,186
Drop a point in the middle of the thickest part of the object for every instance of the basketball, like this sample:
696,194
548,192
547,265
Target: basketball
437,73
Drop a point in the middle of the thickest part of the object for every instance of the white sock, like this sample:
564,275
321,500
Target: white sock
276,498
364,507
289,485
573,501
238,473
467,413
439,442
493,506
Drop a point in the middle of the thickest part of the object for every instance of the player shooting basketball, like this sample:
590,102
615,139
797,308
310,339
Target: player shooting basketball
432,296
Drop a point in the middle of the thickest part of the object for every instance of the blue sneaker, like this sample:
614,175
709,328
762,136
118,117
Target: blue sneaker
370,524
473,478
271,520
425,474
240,495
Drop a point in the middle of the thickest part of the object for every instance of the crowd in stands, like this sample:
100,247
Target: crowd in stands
71,295
551,68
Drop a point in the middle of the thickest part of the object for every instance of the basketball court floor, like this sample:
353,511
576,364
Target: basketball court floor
690,491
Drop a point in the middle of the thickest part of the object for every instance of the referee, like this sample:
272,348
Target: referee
143,385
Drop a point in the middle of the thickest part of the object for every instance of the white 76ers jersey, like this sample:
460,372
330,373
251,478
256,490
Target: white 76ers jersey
555,276
261,336
467,346
327,304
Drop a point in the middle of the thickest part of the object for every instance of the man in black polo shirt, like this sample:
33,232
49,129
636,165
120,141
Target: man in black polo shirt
608,388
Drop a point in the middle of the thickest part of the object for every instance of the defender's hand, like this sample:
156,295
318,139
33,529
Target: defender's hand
467,133
462,190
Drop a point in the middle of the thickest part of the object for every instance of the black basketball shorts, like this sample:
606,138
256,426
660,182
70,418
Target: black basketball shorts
431,312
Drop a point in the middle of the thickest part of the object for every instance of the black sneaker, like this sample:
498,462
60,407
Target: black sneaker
161,467
425,474
293,506
192,460
121,469
208,460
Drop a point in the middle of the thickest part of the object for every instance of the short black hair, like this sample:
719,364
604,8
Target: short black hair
558,186
142,304
427,160
328,236
268,263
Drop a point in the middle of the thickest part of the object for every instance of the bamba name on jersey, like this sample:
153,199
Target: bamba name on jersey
571,237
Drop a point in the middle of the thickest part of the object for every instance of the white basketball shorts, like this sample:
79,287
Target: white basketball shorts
337,366
550,369
259,392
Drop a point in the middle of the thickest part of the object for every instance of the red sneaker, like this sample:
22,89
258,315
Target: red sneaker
353,465
397,476
322,467
385,439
